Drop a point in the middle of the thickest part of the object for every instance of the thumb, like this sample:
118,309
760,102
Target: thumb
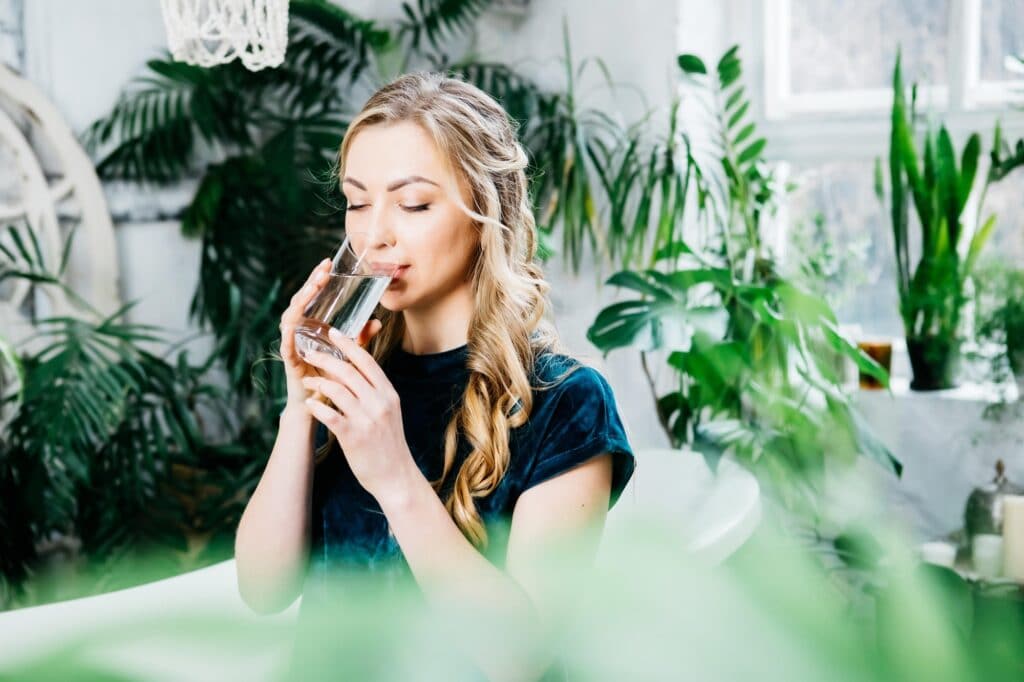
369,331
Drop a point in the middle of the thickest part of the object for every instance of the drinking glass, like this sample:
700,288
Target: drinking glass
346,301
881,352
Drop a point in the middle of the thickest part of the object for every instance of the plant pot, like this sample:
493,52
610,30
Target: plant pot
934,361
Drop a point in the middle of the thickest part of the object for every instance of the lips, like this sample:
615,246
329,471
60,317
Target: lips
400,272
386,266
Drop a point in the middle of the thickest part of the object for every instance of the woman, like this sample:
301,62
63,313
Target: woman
459,438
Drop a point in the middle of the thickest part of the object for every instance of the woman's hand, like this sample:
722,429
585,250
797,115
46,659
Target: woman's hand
295,367
366,419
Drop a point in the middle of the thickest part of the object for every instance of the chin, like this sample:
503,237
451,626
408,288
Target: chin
393,302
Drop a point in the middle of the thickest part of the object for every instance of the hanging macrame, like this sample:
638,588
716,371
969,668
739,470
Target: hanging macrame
211,32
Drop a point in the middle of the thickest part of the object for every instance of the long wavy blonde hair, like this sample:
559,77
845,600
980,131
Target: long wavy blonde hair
508,329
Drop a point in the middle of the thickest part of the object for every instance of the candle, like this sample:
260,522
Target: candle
987,553
1013,537
938,553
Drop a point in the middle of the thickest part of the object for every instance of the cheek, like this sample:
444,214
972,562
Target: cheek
460,244
442,236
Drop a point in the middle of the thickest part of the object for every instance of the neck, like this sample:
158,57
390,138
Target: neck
441,326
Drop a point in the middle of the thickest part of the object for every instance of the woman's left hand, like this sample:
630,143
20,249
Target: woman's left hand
367,416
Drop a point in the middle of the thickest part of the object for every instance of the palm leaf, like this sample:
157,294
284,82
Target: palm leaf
434,21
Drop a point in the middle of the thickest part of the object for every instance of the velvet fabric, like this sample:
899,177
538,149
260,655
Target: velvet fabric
571,422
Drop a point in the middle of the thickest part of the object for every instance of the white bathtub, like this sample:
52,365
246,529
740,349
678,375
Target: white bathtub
136,631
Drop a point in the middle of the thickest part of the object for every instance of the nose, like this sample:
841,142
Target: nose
378,231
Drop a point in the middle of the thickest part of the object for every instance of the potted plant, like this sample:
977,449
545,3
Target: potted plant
1000,309
938,184
92,425
744,342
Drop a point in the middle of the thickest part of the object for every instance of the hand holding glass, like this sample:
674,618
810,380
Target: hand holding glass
347,300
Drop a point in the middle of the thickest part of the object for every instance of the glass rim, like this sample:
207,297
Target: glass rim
346,261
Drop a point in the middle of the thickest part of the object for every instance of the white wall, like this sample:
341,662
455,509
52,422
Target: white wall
83,53
11,43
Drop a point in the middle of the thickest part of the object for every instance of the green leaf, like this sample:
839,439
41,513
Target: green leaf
948,186
728,67
871,446
691,64
438,20
623,324
968,169
864,362
636,282
978,241
737,115
879,181
858,549
752,152
734,98
673,250
744,133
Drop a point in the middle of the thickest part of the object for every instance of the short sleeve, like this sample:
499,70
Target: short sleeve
583,422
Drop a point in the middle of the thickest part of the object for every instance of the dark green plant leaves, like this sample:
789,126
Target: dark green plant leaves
691,64
436,20
932,291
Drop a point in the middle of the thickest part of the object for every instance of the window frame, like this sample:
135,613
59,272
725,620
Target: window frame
854,124
812,129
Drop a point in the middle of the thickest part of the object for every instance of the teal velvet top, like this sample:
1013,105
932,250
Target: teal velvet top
569,423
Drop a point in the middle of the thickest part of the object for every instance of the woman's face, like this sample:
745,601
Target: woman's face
400,211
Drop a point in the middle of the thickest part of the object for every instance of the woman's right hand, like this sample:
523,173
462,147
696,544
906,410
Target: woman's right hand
295,368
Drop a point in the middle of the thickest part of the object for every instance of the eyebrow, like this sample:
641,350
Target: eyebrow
394,185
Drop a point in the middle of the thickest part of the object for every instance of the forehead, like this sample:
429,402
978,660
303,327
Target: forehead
381,153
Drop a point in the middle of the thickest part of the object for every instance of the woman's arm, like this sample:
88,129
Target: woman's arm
568,509
272,542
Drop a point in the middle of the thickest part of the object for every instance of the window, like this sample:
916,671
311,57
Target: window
856,227
837,56
1003,41
821,75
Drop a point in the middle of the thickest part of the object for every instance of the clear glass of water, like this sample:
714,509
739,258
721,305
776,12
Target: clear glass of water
345,302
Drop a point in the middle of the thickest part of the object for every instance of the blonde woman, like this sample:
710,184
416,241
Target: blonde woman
458,414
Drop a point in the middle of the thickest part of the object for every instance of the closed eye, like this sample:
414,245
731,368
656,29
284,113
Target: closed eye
411,209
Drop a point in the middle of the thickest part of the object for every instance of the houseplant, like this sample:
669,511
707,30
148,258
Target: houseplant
1000,317
932,291
743,341
93,425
